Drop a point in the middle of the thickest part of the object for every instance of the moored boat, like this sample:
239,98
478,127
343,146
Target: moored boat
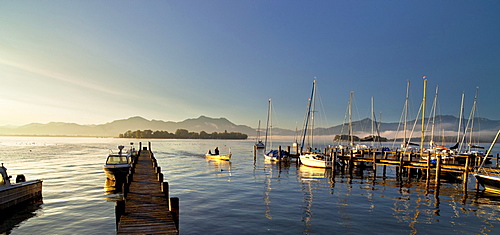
117,165
259,144
276,155
489,177
312,158
316,160
13,194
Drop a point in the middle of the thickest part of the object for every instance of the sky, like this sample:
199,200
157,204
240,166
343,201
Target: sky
93,62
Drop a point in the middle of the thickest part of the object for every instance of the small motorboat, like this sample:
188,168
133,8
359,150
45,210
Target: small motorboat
216,155
117,165
13,194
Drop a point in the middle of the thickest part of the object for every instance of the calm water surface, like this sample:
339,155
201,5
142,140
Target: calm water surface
243,196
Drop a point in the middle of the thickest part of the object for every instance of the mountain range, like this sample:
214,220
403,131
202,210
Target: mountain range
447,124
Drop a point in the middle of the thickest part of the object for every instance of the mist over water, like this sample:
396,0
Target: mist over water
243,196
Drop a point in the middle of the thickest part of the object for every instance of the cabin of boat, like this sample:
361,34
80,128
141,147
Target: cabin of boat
117,165
13,194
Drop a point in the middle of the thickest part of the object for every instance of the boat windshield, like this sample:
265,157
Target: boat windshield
117,160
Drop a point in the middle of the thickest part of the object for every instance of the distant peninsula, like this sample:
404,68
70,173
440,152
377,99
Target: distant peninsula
207,126
183,134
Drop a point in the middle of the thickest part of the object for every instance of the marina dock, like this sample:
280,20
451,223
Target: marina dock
432,166
147,208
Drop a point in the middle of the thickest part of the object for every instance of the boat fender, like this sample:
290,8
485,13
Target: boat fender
20,178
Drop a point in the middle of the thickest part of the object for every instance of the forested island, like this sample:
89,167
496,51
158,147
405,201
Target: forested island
182,134
356,138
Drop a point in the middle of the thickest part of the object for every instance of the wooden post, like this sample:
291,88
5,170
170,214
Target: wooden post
254,152
401,156
334,160
427,177
375,162
149,145
125,188
158,169
498,154
165,189
438,168
466,172
174,209
279,151
119,210
160,177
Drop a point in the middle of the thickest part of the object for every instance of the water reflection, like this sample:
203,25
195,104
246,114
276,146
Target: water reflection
221,167
113,190
309,177
12,219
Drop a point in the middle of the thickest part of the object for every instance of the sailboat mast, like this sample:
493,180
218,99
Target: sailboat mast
423,116
313,106
405,142
308,115
473,114
267,123
460,116
434,105
271,123
351,138
373,122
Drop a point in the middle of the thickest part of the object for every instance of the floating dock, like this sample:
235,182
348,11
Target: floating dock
147,208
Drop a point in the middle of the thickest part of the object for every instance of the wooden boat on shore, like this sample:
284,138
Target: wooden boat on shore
13,194
489,177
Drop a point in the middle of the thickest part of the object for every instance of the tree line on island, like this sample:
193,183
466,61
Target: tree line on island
356,138
182,134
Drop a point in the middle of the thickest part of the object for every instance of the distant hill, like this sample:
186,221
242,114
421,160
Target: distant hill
113,129
361,128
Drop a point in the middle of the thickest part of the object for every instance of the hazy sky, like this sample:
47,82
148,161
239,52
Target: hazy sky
92,62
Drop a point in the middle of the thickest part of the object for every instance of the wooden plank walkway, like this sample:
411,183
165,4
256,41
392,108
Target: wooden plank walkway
147,209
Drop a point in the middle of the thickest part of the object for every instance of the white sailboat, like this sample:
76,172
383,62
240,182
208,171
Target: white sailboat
272,155
311,157
489,178
259,144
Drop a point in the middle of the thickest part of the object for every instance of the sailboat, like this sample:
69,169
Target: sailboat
259,144
489,178
472,148
311,157
272,155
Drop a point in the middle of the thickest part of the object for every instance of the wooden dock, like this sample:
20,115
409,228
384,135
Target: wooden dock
457,167
147,208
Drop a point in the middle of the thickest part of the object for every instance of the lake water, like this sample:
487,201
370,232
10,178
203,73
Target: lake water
243,196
